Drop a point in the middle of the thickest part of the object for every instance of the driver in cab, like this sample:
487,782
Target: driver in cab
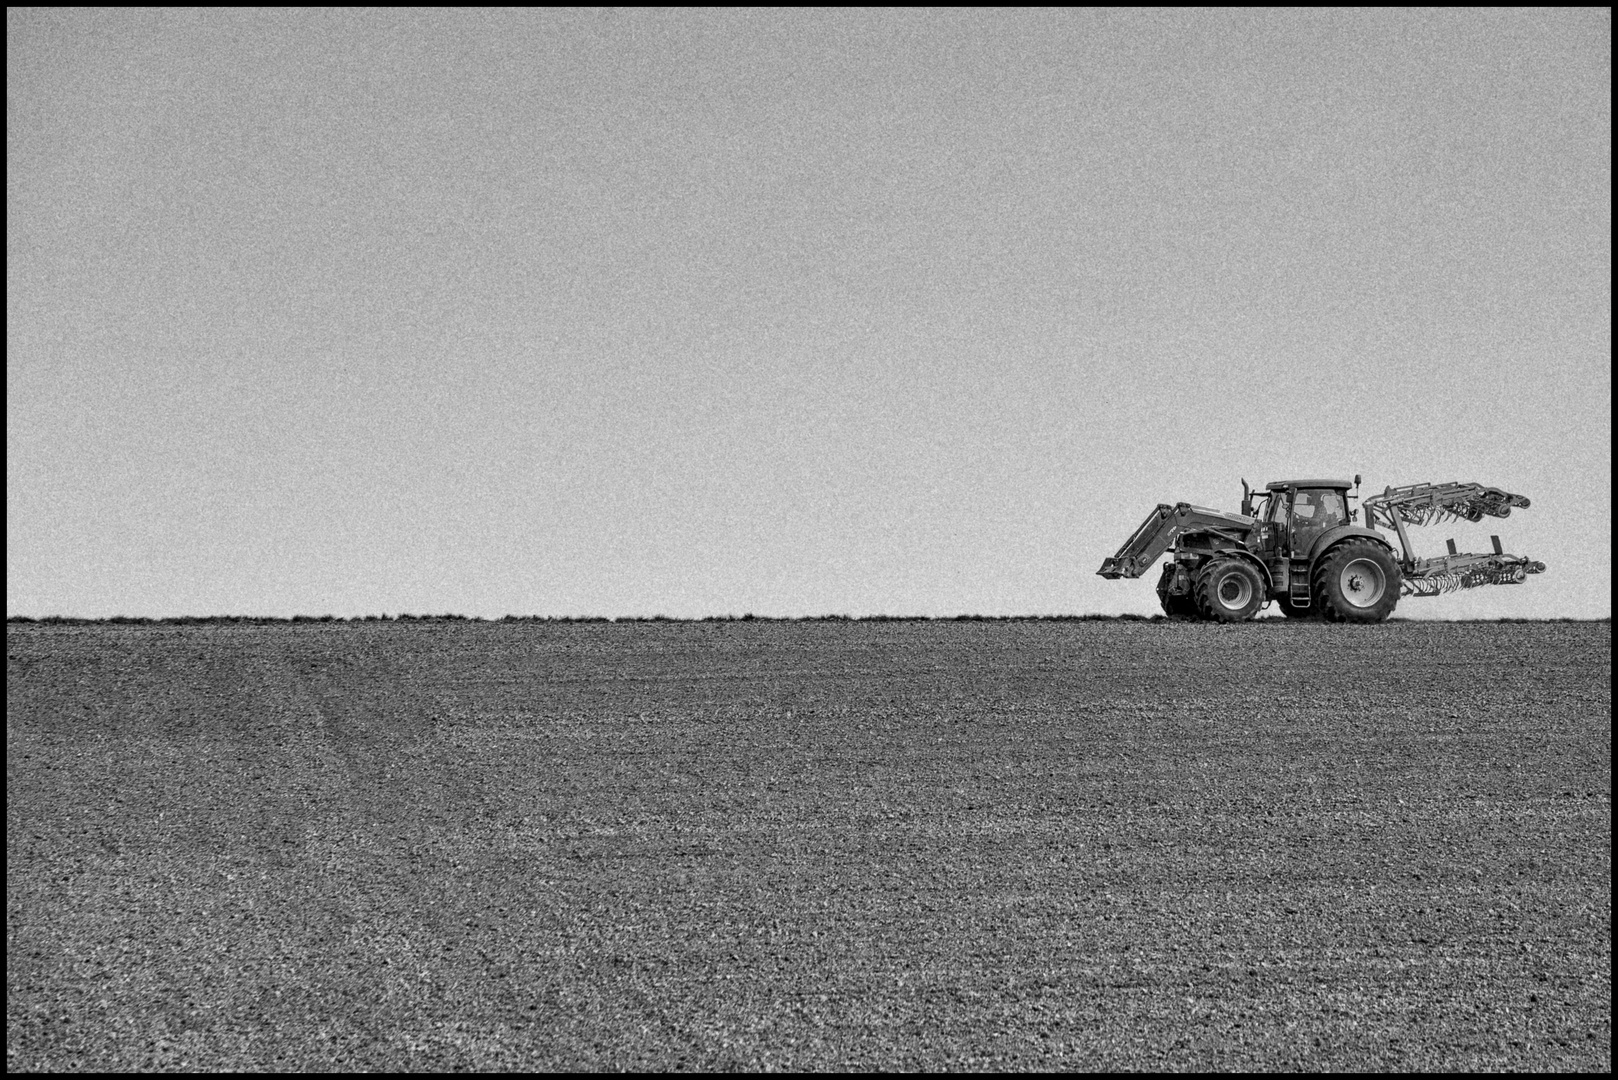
1313,513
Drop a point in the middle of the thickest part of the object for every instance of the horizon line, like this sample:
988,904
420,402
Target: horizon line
208,620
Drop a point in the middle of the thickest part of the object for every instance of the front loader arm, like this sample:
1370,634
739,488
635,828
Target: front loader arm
1162,528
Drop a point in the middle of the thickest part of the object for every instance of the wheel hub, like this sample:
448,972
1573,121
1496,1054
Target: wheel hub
1235,592
1362,583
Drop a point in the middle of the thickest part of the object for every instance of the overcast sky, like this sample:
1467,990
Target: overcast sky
784,312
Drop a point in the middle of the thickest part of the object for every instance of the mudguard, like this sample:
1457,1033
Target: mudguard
1252,560
1342,532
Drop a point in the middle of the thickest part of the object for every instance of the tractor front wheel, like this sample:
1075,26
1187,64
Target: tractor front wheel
1357,582
1229,590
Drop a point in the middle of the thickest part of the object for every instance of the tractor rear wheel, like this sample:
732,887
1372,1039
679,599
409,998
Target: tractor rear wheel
1357,581
1229,590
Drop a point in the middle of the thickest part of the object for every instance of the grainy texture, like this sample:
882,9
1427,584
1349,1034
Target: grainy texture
809,845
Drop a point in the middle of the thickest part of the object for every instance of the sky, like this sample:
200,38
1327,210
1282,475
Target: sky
784,312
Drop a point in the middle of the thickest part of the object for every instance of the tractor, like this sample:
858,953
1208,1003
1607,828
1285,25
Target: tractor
1299,544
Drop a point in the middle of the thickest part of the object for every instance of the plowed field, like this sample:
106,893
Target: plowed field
1074,845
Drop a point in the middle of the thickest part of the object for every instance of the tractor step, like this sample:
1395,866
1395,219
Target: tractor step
1298,584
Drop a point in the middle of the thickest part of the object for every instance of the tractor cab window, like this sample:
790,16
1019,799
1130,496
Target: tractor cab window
1327,508
1313,512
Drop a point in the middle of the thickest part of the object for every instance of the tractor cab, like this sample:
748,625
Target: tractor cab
1293,514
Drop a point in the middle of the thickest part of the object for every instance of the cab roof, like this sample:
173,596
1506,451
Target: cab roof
1282,485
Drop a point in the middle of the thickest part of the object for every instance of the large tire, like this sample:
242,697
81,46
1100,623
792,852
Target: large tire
1183,606
1229,590
1357,581
1179,607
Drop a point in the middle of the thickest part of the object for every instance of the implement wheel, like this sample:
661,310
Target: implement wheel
1229,590
1357,581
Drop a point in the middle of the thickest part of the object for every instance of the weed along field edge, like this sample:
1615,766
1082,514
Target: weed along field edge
1006,844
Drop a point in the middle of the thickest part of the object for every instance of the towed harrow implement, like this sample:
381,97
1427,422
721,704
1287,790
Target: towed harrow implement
1436,504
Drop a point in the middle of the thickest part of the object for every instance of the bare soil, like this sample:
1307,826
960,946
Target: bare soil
755,845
